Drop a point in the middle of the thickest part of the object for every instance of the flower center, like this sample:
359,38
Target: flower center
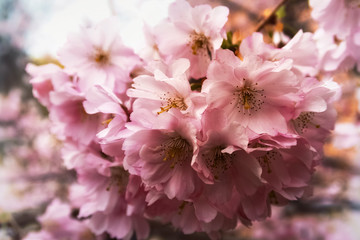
177,150
200,44
119,177
303,121
182,206
217,162
265,160
172,102
337,40
101,57
248,98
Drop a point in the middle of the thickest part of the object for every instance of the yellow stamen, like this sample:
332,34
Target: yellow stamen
246,102
176,150
107,122
173,103
200,42
166,108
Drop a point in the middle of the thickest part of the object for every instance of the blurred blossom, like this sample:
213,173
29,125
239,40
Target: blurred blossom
358,97
57,224
346,135
310,228
10,106
338,33
23,164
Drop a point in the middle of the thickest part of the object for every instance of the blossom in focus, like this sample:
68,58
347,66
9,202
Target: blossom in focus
170,92
194,33
98,56
162,156
301,50
222,162
258,94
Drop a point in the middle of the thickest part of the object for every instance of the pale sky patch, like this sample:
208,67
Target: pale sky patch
54,20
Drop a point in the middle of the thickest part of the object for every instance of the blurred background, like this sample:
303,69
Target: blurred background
31,175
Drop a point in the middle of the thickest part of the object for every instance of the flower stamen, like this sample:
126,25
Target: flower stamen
303,121
248,98
101,57
266,160
200,44
217,162
176,150
172,102
119,177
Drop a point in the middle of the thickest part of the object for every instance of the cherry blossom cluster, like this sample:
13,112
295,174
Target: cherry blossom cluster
309,227
338,35
188,133
57,223
28,154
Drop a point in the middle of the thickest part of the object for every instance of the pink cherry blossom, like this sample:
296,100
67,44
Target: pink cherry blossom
41,81
57,224
314,115
258,94
60,92
114,199
162,156
170,92
336,17
193,33
222,162
256,207
98,56
151,51
187,216
338,33
334,55
126,216
70,119
301,49
193,135
287,170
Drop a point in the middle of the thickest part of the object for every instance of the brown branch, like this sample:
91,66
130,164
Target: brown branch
265,20
126,110
62,176
235,6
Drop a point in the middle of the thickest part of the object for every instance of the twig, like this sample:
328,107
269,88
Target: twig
63,176
235,6
265,20
126,110
318,205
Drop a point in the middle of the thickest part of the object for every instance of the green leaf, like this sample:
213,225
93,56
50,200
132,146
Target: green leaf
281,13
228,44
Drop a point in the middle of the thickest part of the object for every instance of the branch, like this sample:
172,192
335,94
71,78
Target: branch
266,20
318,205
126,110
63,176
